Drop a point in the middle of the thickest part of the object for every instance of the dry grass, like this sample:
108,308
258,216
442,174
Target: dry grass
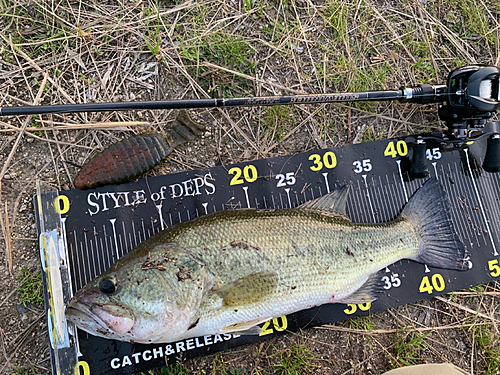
81,52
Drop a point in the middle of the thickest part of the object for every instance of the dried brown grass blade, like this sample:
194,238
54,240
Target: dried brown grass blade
16,129
35,66
253,79
458,306
8,242
23,128
5,238
99,125
395,330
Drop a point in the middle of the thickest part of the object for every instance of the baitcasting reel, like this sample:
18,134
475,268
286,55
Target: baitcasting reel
470,96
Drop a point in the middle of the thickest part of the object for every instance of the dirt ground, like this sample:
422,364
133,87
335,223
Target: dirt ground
89,52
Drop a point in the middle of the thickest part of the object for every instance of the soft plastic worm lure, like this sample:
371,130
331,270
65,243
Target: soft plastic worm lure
132,157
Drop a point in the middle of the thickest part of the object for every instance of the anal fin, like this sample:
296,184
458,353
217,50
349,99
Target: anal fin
368,292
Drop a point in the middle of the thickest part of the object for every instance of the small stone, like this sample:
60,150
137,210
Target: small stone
21,309
24,318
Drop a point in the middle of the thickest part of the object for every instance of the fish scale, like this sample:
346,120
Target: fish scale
231,270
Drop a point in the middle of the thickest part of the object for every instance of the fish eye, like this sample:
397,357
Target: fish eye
107,286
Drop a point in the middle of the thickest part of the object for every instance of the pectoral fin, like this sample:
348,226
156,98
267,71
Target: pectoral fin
250,289
246,328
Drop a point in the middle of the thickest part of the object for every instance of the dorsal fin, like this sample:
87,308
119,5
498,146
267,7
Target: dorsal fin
332,203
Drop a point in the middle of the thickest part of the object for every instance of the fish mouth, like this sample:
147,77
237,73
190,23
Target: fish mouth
103,320
83,318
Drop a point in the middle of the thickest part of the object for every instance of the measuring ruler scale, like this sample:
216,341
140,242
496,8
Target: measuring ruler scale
103,224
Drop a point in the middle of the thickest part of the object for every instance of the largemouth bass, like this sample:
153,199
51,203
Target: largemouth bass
232,270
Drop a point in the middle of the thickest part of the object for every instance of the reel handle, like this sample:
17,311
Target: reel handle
492,158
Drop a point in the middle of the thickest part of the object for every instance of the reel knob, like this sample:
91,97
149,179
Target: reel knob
492,158
418,168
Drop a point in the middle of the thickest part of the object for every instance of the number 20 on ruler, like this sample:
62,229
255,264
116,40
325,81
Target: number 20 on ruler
279,325
248,173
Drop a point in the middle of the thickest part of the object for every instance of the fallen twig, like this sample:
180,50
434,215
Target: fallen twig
392,331
8,242
25,125
99,125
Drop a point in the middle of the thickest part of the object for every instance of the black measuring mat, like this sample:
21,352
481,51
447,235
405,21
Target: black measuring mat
103,224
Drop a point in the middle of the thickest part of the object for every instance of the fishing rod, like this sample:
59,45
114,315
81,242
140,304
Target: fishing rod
422,94
418,94
470,96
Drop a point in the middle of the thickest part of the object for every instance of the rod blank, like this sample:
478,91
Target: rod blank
206,103
417,94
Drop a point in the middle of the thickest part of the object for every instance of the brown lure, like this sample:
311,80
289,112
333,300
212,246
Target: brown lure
132,157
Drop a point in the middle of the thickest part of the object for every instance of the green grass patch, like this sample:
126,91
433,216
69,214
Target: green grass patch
218,364
31,290
408,347
476,20
225,44
362,322
31,25
295,361
231,51
477,289
335,13
152,35
173,369
276,120
36,124
18,370
370,134
424,71
487,345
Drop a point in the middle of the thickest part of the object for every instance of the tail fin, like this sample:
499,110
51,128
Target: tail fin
429,212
